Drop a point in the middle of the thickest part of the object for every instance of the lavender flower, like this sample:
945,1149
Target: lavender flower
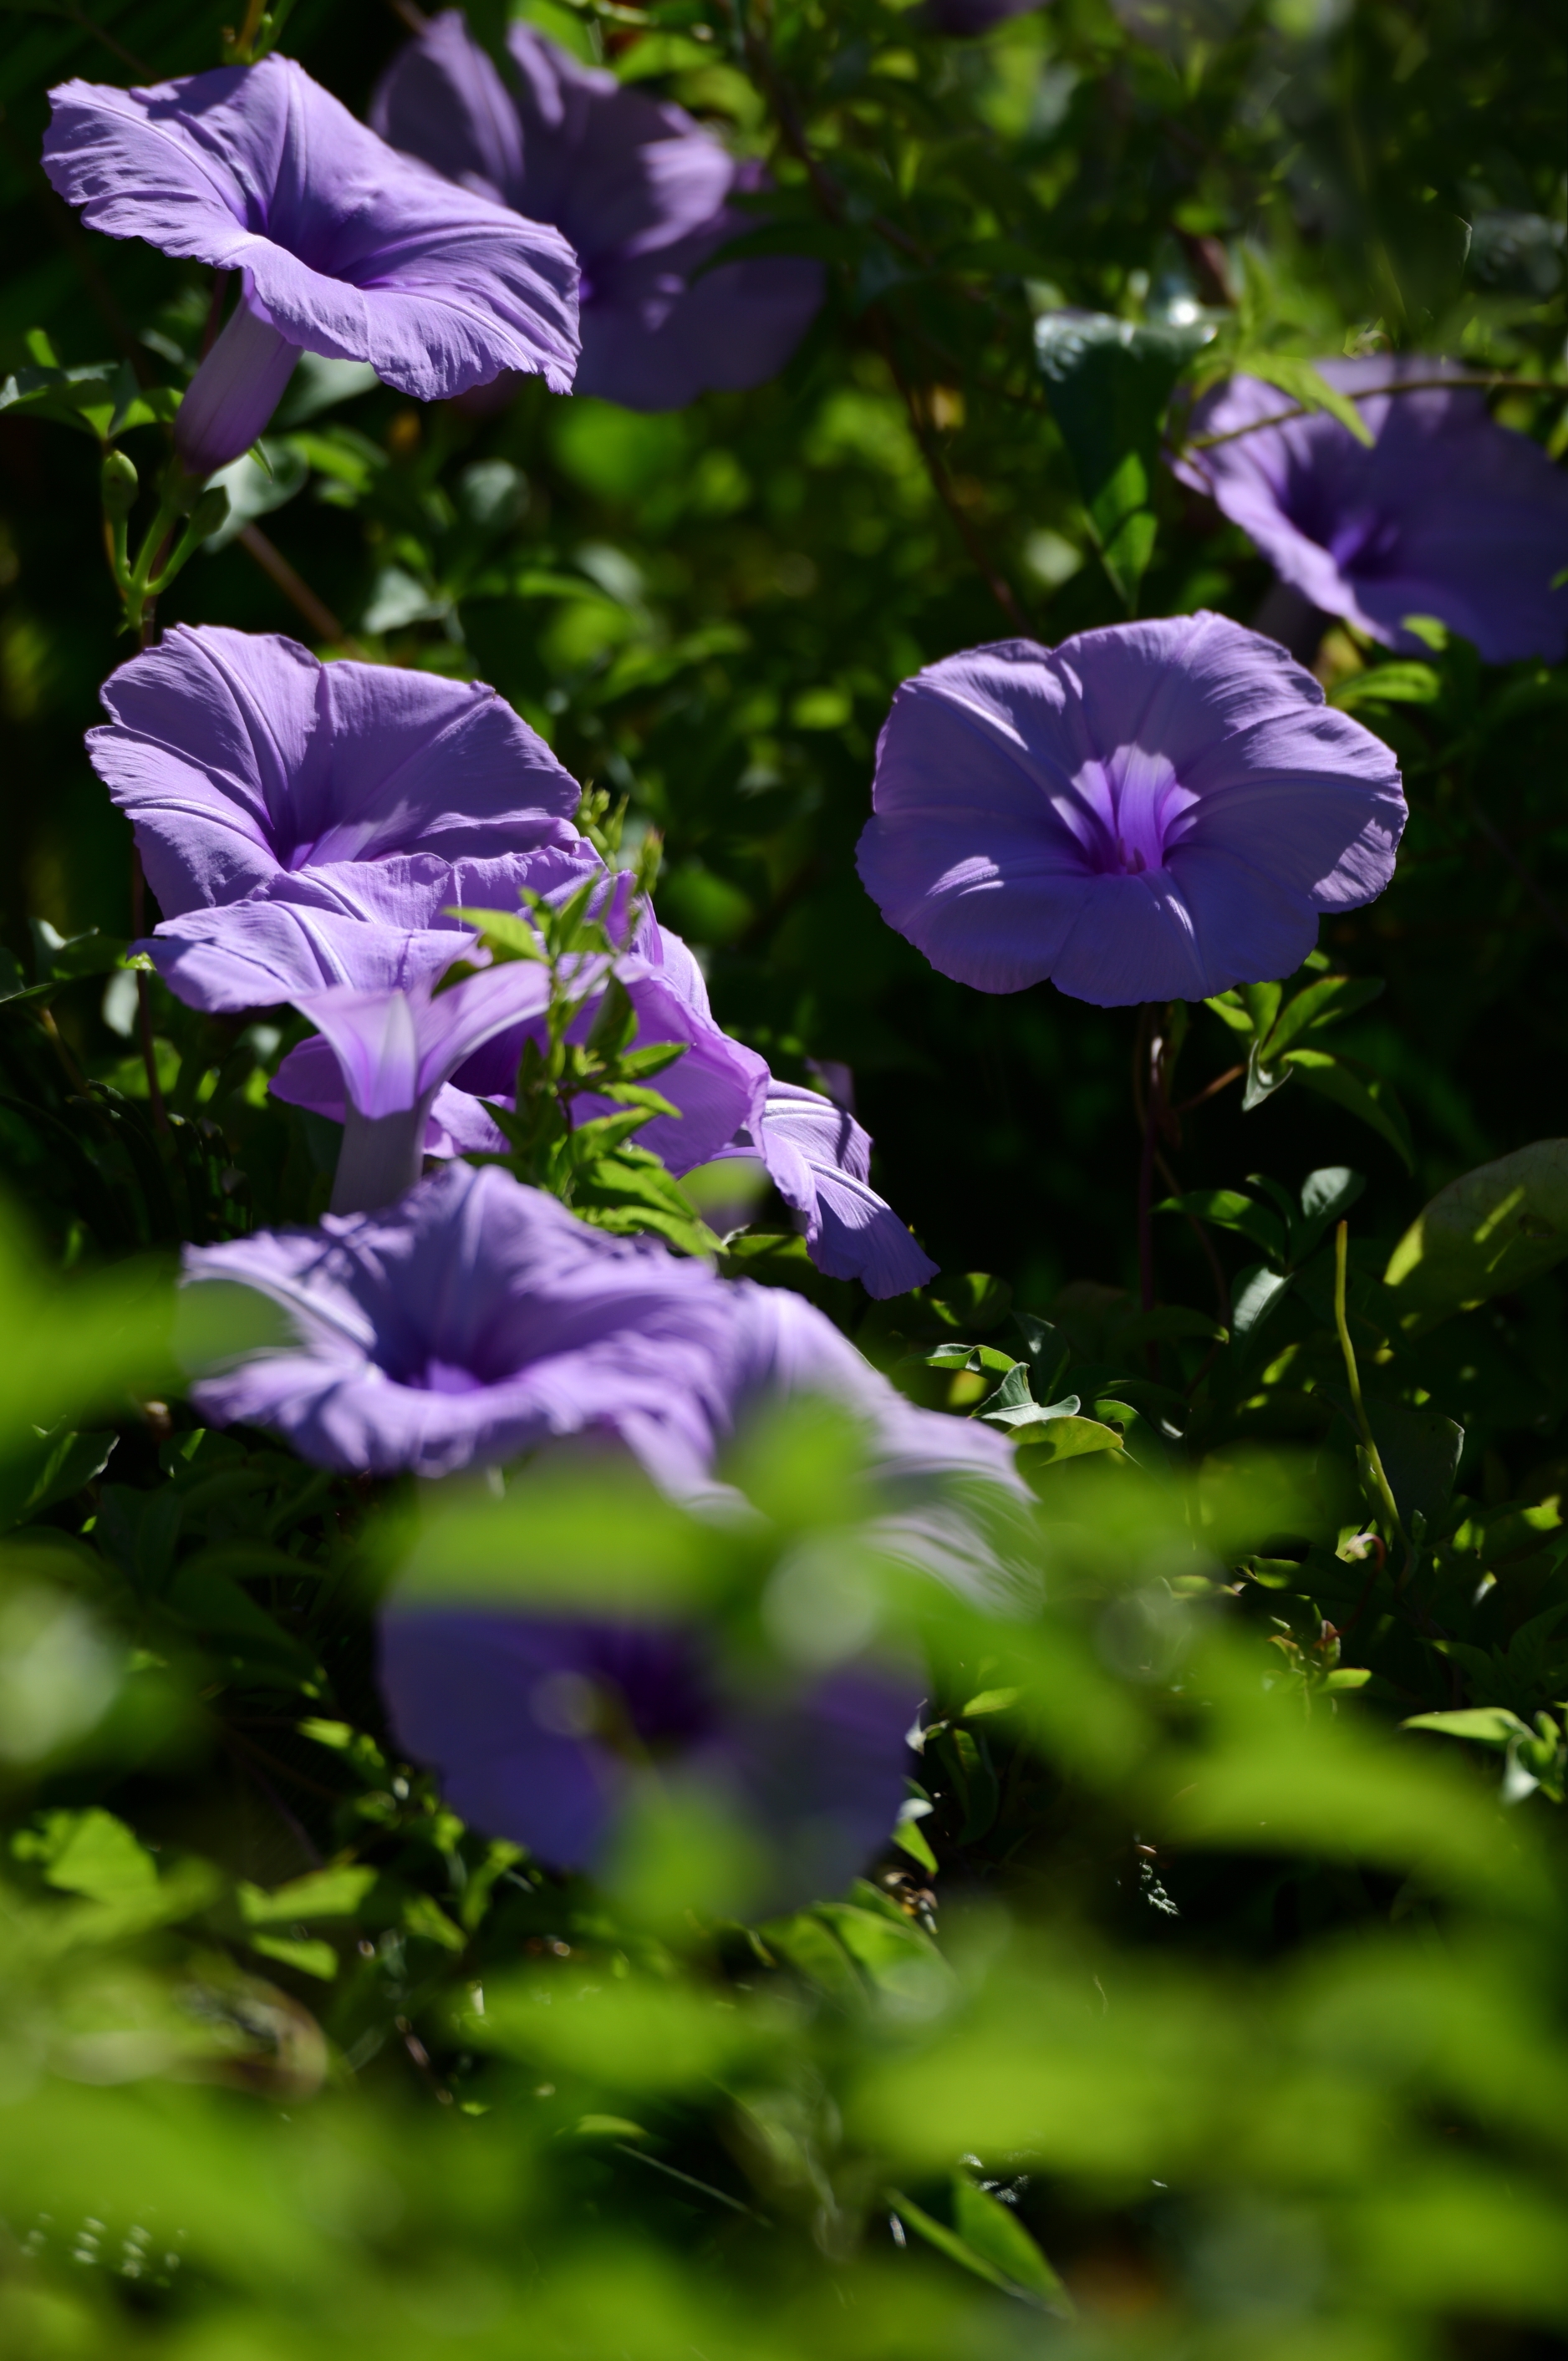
345,248
375,927
240,759
395,1051
475,1322
641,190
478,1319
544,1728
1448,514
1155,811
819,1160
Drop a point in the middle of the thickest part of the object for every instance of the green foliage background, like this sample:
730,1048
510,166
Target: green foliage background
1246,2011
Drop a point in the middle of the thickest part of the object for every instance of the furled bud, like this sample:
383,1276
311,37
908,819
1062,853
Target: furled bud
120,484
209,513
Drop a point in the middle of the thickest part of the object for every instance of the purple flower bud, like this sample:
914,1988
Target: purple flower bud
1448,514
641,190
345,248
1156,811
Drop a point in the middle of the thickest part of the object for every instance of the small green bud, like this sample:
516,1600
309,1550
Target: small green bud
120,486
208,514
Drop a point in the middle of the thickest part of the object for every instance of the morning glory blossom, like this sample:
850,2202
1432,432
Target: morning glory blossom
1447,515
544,1729
478,1318
641,191
344,248
714,1085
240,757
1154,811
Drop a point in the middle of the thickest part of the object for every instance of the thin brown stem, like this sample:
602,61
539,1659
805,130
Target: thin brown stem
1153,1061
143,999
293,586
942,485
1210,1252
1499,844
1211,1090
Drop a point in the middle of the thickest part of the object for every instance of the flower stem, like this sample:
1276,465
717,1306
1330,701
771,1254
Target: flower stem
1152,1053
1369,1441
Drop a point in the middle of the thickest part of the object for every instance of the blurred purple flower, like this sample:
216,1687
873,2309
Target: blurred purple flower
345,248
1448,514
819,1160
1155,811
962,17
239,758
639,188
543,1729
478,1318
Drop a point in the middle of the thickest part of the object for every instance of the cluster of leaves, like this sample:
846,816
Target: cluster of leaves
1208,1997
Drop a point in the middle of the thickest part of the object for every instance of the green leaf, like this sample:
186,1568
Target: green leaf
1324,1003
991,2230
1109,382
1306,385
307,1954
1488,1232
996,2255
325,1893
1228,1209
91,1853
1360,1091
1391,683
1483,1725
1063,1438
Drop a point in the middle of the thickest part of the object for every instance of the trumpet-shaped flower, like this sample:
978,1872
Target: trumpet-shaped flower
477,1319
819,1160
344,246
1155,811
395,1051
544,1729
240,759
714,1085
1448,514
641,191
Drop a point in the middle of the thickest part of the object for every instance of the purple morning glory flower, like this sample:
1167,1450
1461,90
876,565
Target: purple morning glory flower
543,1729
1156,811
478,1320
240,757
395,1051
345,248
639,188
819,1160
474,1320
1448,514
715,1083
